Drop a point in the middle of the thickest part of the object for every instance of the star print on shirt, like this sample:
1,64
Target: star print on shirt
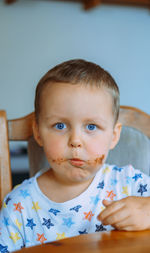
23,246
3,249
68,222
125,190
88,216
7,200
114,181
24,193
106,170
95,199
6,221
142,189
30,223
137,176
83,232
15,237
41,238
35,206
100,228
18,207
75,208
18,224
4,205
54,211
128,180
47,223
60,236
101,185
110,194
117,168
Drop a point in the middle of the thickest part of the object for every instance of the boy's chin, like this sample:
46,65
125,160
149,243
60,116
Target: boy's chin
81,178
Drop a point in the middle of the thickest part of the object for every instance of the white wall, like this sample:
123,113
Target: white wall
36,35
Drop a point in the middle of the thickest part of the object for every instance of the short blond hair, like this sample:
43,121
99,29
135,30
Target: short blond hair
75,72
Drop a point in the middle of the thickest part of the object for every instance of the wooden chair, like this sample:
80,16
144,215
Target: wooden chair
21,130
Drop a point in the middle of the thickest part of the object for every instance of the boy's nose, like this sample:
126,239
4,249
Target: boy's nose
75,145
75,141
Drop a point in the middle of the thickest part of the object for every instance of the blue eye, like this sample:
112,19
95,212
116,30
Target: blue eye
60,126
91,127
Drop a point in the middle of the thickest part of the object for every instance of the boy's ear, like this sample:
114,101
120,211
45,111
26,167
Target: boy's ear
116,134
36,133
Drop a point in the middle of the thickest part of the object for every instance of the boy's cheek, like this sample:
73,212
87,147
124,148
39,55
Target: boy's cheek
53,150
96,149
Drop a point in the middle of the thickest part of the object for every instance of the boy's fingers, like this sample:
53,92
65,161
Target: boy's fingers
115,218
110,209
106,202
127,224
124,224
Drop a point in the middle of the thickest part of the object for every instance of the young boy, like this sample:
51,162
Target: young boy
76,123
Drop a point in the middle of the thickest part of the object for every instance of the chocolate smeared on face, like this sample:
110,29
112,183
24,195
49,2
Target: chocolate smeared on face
94,162
59,160
98,160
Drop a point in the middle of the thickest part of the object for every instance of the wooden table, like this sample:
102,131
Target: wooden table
102,242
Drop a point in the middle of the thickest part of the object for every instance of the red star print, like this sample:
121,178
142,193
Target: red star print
110,195
18,207
41,238
88,216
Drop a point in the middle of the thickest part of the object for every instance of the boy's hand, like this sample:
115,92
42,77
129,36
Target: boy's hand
130,214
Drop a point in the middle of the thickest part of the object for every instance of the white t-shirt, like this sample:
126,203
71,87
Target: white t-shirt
29,218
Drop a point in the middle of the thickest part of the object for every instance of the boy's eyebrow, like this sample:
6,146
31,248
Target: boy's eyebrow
53,117
94,120
97,120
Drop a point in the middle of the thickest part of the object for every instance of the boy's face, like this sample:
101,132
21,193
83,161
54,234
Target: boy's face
76,130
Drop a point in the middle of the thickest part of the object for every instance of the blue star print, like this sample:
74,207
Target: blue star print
54,211
24,193
83,232
137,176
3,249
47,223
128,179
30,223
114,181
23,246
5,221
76,208
100,228
101,185
7,200
117,168
68,222
95,200
142,189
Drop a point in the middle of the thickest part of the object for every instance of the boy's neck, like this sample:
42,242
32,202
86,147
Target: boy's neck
58,191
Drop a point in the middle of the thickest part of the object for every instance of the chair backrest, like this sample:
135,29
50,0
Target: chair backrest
135,137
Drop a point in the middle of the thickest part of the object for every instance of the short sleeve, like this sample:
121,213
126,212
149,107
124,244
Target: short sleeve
139,182
10,236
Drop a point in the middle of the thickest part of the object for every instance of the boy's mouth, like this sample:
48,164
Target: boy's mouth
77,162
